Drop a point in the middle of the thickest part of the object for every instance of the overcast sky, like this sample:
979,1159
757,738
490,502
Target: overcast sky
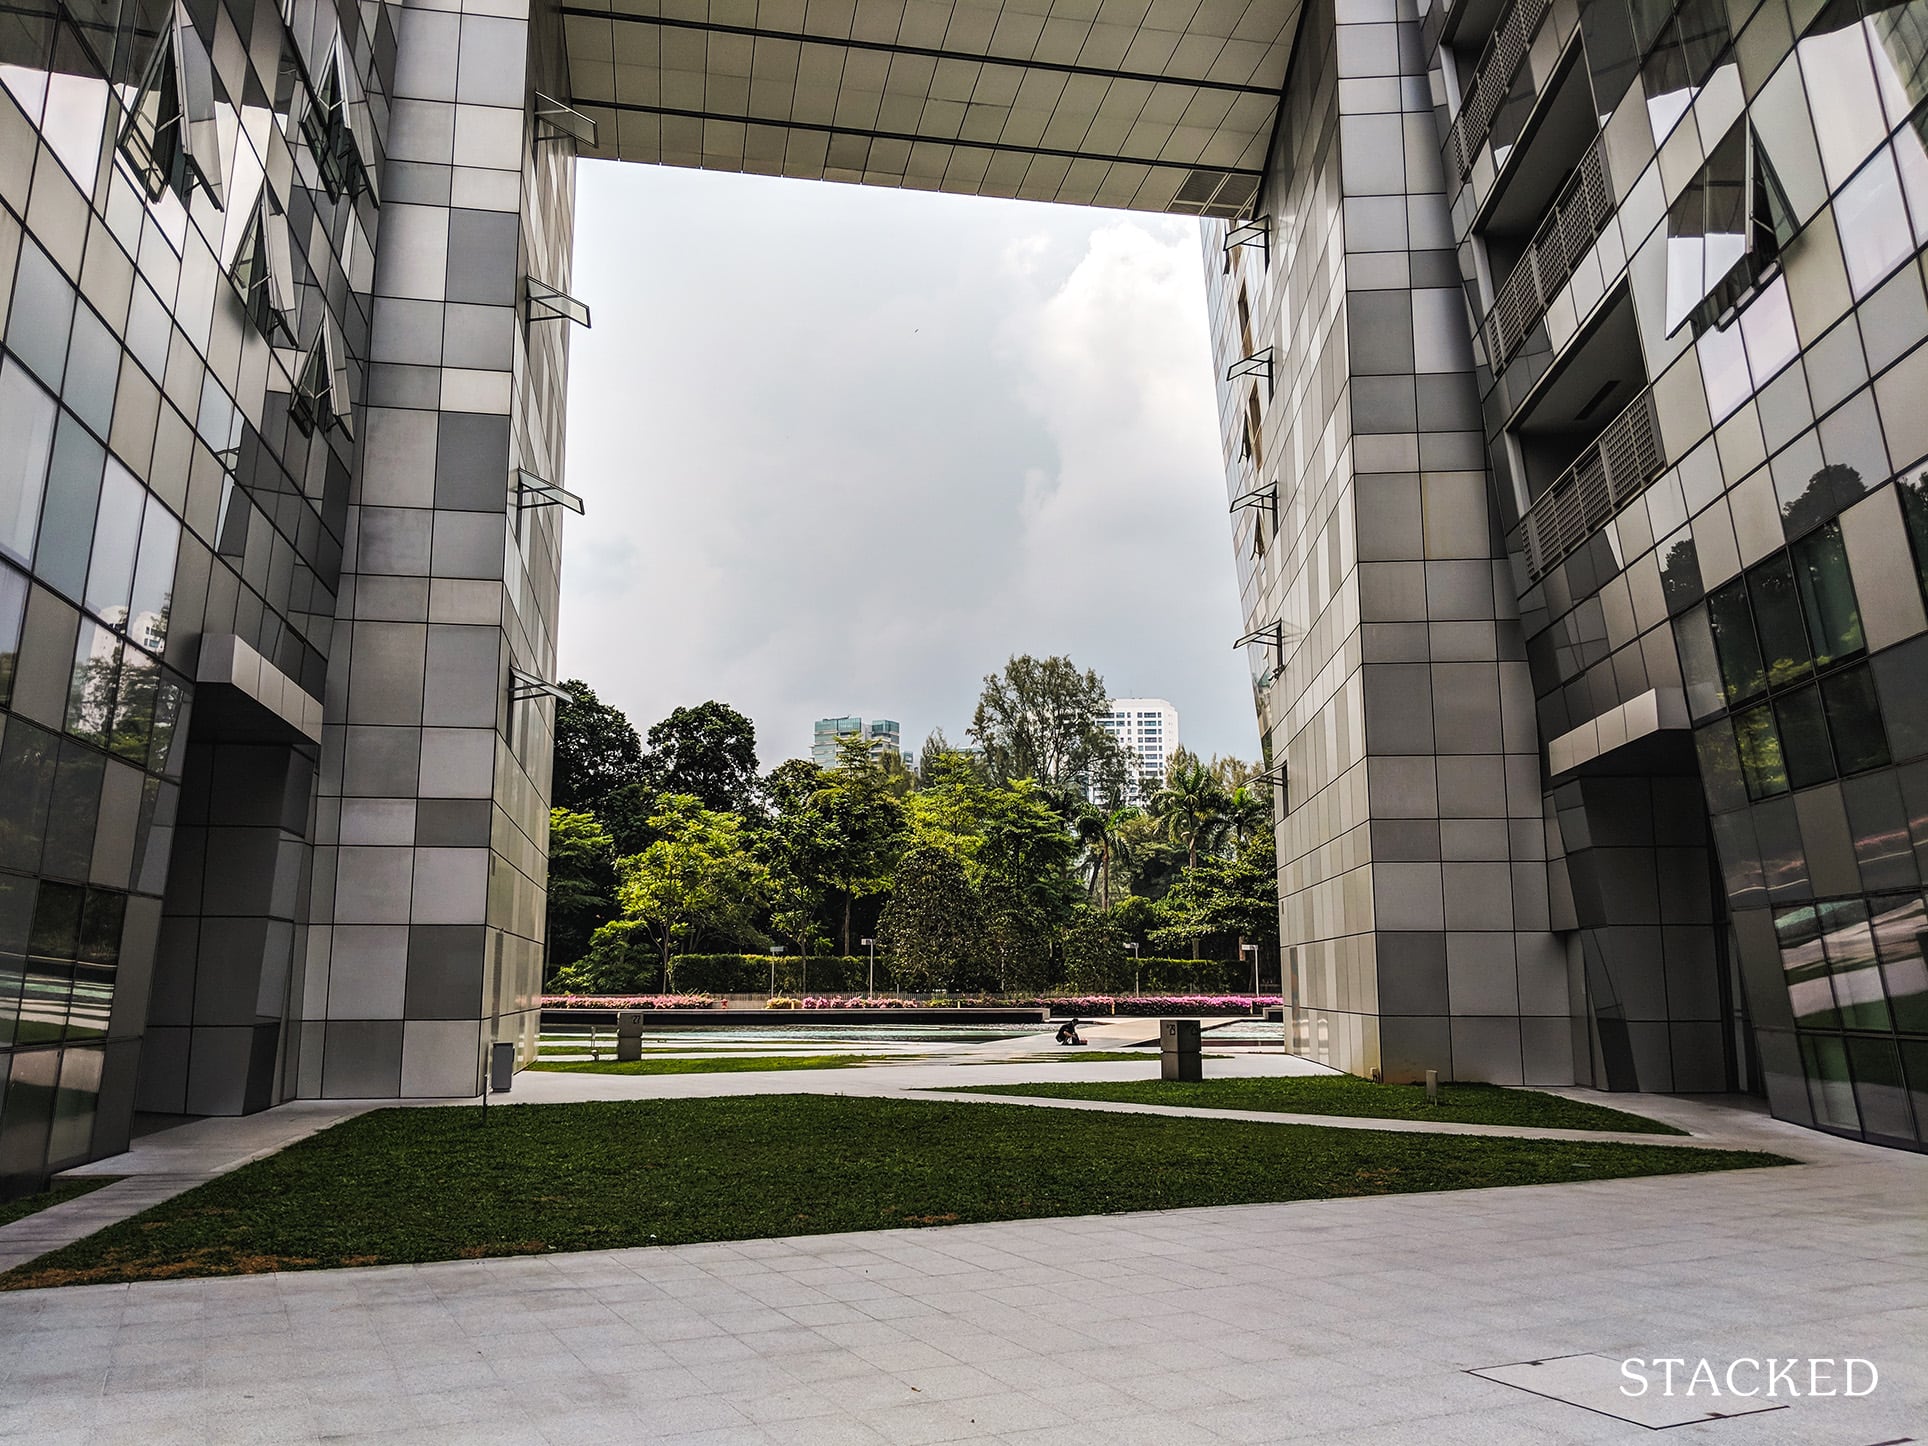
846,449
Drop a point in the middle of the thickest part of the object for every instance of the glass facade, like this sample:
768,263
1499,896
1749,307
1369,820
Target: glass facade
206,342
1703,446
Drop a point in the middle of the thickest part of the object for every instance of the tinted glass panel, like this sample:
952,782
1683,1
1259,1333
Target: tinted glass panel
1829,1089
1851,963
154,578
27,417
117,530
1777,619
1742,672
13,611
67,515
1760,747
1879,1090
1804,737
1854,718
1901,939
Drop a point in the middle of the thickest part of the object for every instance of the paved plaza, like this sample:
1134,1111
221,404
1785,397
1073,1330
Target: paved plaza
1347,1321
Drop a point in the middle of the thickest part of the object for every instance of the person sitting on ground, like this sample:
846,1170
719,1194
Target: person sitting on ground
1068,1033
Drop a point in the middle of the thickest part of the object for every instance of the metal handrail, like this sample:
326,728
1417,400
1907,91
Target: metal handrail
1492,75
1614,469
1571,226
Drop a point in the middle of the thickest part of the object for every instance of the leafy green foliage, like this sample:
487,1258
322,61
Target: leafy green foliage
597,752
1236,898
402,1185
932,925
697,875
708,752
582,883
1043,720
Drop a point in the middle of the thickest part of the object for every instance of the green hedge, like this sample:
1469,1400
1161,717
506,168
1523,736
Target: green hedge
750,974
623,959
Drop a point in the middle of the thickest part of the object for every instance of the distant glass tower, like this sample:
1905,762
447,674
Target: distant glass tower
885,735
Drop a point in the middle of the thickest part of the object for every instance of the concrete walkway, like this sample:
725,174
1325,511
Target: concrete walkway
1344,1321
1347,1321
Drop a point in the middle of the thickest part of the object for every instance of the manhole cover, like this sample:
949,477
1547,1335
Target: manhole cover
1597,1383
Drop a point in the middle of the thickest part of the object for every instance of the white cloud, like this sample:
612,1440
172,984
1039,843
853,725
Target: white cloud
846,450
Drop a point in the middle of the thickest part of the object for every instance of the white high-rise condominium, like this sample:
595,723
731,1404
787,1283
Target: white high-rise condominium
1148,730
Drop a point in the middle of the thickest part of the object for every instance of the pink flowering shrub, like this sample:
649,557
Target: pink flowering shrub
633,1001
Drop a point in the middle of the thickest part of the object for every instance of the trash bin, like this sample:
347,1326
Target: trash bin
1178,1050
629,1035
501,1067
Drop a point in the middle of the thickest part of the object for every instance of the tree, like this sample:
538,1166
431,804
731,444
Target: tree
582,884
931,924
1248,811
862,826
597,751
698,874
1191,806
708,752
1044,720
1017,939
1101,833
1094,954
1234,898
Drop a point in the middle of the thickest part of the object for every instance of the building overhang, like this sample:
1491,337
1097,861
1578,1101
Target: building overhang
1148,105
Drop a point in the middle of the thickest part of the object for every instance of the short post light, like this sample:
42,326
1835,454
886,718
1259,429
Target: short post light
776,952
870,989
1134,969
1253,950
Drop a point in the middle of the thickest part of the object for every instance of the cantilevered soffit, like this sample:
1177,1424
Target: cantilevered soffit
1152,105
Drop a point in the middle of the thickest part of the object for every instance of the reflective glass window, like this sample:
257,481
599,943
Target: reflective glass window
1804,737
1879,1090
56,921
1742,672
93,1001
1777,620
101,916
1854,720
41,316
1900,923
1900,50
13,976
1839,74
67,515
117,530
1914,509
153,593
1762,766
93,371
1873,222
165,753
75,1104
1804,967
1858,994
134,704
1830,1089
27,418
27,758
13,612
90,692
1827,595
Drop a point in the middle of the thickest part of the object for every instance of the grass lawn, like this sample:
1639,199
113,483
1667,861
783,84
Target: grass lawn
1467,1104
59,1191
719,1064
437,1184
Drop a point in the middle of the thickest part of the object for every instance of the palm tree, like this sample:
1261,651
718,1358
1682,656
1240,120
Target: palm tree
1191,806
1102,833
1247,812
